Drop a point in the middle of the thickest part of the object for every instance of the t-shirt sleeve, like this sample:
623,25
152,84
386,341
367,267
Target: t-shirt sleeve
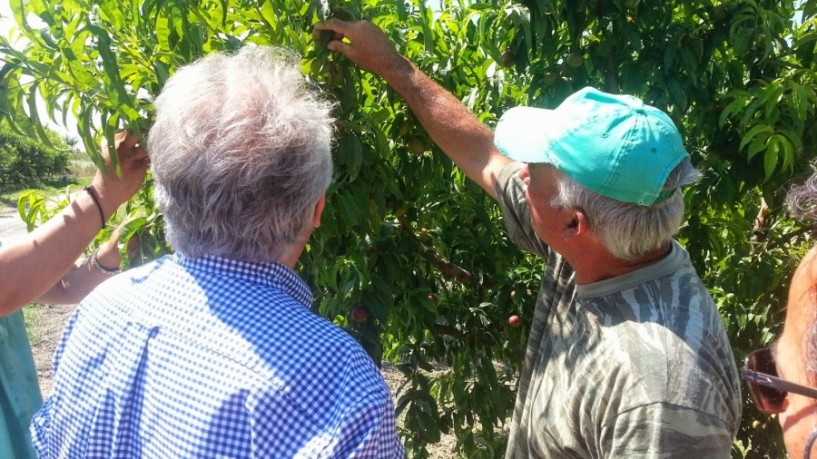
666,431
510,193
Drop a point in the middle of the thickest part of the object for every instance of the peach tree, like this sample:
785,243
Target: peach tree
411,257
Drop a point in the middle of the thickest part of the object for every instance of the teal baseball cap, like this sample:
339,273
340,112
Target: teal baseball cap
615,145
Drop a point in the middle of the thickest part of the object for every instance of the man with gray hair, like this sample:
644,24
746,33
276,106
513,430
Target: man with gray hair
213,351
782,376
627,356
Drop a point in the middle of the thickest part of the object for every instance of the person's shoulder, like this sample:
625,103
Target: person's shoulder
675,358
508,172
690,312
664,319
131,277
512,200
320,366
656,327
293,340
331,343
137,275
671,294
509,189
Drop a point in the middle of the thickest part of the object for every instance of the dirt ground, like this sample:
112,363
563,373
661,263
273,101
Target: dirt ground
46,329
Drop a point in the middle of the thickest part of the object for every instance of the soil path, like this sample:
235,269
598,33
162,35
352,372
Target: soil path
12,227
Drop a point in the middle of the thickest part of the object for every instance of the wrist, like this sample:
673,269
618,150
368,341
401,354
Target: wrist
108,200
103,261
92,193
398,68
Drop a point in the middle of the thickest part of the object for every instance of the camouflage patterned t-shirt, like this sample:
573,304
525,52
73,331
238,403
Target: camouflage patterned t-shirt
634,366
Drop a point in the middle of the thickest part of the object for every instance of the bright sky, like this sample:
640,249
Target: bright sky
5,11
5,18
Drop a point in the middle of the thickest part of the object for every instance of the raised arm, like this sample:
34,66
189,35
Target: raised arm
467,141
33,266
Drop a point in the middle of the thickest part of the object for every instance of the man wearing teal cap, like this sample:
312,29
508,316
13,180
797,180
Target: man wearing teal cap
627,356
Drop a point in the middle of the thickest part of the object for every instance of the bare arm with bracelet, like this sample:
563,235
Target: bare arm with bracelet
85,275
35,266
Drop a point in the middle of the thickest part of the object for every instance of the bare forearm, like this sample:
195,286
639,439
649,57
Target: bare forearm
31,267
83,278
466,140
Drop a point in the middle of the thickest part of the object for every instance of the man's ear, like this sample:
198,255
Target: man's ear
319,206
578,225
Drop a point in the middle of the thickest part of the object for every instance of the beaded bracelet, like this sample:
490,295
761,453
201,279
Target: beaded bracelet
97,266
91,192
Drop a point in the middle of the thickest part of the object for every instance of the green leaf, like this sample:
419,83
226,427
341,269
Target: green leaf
753,132
759,143
770,158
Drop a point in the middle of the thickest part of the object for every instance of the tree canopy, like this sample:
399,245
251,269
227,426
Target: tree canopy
406,238
27,162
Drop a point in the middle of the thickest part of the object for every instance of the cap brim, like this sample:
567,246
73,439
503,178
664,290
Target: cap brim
524,134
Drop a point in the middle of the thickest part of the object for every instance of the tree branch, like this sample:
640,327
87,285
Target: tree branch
448,269
761,224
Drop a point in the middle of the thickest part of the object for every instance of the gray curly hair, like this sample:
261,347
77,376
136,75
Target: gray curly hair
240,154
802,199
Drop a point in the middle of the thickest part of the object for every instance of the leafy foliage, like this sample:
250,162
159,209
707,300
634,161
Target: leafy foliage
25,162
405,236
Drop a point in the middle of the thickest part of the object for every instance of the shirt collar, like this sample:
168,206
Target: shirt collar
677,258
273,274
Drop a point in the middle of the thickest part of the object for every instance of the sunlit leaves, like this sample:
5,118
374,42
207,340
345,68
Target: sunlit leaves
405,235
774,118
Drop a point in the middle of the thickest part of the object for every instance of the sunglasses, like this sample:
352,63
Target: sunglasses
767,389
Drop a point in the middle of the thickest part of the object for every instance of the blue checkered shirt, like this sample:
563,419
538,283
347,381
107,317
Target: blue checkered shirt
206,358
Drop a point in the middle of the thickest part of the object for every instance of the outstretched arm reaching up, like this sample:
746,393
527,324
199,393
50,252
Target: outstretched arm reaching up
467,141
